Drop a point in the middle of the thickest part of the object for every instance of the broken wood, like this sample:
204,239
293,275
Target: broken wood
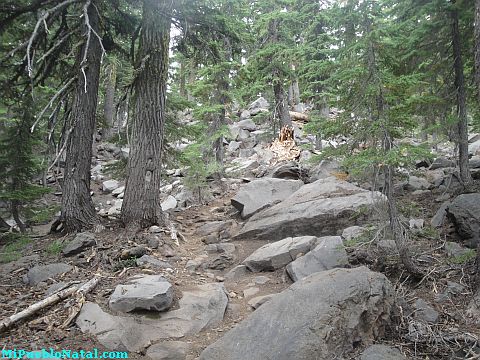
298,116
51,300
284,147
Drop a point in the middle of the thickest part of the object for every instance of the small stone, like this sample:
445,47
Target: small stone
250,292
154,229
152,261
153,241
81,242
256,302
260,280
416,224
40,273
150,292
237,272
134,252
110,185
353,232
424,312
220,278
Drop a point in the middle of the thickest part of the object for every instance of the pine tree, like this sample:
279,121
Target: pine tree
141,206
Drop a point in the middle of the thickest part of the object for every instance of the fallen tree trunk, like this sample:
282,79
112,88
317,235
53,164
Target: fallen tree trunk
298,116
51,300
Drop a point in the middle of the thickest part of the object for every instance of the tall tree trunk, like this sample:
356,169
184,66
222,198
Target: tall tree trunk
477,46
78,211
183,79
192,73
281,107
462,129
141,204
281,104
109,103
398,232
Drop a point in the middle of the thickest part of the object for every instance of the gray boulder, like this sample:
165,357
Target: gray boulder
110,185
416,183
424,312
319,317
440,215
464,212
200,308
169,203
353,232
474,148
322,208
440,163
41,273
246,124
258,104
149,292
328,254
168,350
382,352
151,261
280,253
81,242
259,194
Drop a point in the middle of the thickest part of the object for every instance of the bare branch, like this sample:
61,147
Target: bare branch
42,21
52,100
55,46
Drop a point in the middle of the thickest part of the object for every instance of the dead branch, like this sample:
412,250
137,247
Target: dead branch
42,22
51,300
52,100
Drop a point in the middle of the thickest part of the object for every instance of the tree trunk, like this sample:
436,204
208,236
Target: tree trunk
281,101
15,205
477,46
78,211
281,107
290,96
183,79
296,92
191,79
462,129
141,204
109,103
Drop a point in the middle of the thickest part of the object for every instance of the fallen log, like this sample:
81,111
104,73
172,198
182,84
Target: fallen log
298,116
51,300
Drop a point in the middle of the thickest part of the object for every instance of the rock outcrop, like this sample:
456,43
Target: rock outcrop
319,317
322,208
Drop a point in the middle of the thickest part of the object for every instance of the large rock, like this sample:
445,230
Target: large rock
328,254
319,317
262,193
280,253
322,208
200,308
382,352
464,211
81,242
41,273
149,292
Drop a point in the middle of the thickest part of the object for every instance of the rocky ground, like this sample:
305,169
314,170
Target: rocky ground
283,260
